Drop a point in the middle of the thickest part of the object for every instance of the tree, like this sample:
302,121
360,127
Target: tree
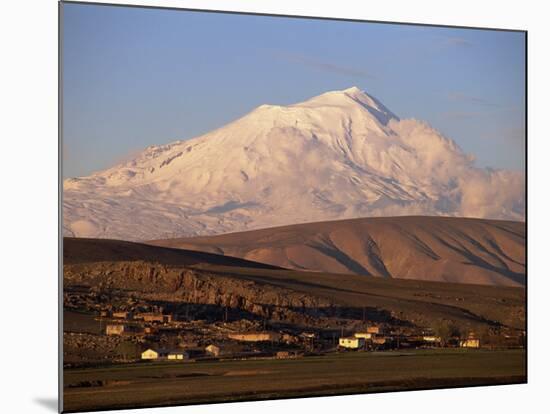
484,334
455,330
446,330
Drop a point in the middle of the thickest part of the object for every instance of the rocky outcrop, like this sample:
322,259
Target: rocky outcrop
161,282
211,290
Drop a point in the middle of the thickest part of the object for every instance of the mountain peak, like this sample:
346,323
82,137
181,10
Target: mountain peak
347,100
353,90
353,97
341,154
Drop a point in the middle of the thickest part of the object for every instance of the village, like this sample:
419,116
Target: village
163,337
145,330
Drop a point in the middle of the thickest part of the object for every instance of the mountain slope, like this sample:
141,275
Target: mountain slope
295,297
81,250
425,248
339,155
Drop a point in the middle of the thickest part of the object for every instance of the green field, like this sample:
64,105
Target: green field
157,384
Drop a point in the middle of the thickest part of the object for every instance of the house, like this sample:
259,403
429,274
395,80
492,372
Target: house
152,354
177,355
380,340
289,339
364,335
122,315
213,350
149,354
255,336
114,329
154,317
374,330
121,329
431,339
351,342
470,342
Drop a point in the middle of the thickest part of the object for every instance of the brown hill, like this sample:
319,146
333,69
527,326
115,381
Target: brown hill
296,297
460,250
82,250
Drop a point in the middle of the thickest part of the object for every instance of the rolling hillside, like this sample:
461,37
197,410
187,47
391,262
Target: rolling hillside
443,249
81,251
291,296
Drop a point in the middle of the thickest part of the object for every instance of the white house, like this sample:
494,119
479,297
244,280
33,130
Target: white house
213,350
149,354
173,355
351,342
114,329
471,342
177,355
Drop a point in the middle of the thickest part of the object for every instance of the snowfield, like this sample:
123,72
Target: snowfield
339,155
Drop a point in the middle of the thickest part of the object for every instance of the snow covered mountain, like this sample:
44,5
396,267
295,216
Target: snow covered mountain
339,155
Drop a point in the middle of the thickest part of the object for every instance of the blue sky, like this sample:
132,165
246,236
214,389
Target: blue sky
134,77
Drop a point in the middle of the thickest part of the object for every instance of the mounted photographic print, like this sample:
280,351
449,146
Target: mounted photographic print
261,207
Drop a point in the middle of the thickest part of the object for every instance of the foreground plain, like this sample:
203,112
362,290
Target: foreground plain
158,384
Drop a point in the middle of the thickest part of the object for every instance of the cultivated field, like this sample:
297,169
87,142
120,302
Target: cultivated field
156,384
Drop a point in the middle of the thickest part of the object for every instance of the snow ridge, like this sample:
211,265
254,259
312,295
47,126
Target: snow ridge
338,155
